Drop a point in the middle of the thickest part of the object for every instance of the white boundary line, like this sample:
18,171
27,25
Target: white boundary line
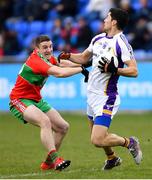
19,176
23,175
41,174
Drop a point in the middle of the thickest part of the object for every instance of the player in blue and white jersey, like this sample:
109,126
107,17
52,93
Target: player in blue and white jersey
102,96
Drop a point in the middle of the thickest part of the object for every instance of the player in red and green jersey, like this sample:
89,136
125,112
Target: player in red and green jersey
27,104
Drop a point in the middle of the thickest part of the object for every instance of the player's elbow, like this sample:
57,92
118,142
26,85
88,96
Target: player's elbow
135,73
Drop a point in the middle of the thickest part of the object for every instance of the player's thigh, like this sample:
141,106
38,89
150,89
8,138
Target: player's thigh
35,116
56,119
99,132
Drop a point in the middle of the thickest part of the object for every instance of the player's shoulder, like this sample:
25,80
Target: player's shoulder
98,37
125,45
33,60
32,56
122,39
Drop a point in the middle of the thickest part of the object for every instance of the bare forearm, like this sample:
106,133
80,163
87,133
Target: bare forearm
64,72
128,72
67,63
69,72
78,58
81,58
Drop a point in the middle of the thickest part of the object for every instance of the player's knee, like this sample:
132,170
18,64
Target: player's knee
45,123
97,141
65,128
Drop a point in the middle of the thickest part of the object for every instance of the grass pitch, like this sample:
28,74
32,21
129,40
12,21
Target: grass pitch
21,151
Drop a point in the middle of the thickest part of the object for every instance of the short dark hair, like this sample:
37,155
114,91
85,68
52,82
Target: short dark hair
40,39
121,16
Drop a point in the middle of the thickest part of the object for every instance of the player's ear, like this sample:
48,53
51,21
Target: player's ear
36,49
114,22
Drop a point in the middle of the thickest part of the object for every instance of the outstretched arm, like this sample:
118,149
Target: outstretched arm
67,63
80,58
63,71
85,72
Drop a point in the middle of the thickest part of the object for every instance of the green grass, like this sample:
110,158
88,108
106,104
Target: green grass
21,151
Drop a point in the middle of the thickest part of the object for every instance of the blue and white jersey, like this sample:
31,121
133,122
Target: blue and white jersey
106,83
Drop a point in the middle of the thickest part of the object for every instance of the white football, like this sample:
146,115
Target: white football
108,57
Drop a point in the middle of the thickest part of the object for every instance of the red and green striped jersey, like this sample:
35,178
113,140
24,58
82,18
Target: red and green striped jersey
32,77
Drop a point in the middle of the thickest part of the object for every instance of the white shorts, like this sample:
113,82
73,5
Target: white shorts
98,105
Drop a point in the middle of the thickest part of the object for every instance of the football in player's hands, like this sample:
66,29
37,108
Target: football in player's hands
110,56
112,66
108,64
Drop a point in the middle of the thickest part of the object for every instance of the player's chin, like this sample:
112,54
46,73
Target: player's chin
47,56
105,28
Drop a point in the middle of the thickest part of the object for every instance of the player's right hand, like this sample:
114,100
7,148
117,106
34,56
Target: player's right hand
63,55
107,67
112,67
102,64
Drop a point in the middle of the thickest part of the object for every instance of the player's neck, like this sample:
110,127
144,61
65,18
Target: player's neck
113,32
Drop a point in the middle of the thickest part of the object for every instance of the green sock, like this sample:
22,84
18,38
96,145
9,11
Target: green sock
52,155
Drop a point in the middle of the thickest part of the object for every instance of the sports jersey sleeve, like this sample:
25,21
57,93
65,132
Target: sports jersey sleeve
126,50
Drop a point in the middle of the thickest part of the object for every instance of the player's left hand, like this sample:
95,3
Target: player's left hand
108,67
111,67
85,72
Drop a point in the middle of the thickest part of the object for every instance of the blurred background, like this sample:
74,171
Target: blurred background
71,26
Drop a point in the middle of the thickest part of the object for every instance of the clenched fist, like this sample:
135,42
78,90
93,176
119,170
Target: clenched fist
63,55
